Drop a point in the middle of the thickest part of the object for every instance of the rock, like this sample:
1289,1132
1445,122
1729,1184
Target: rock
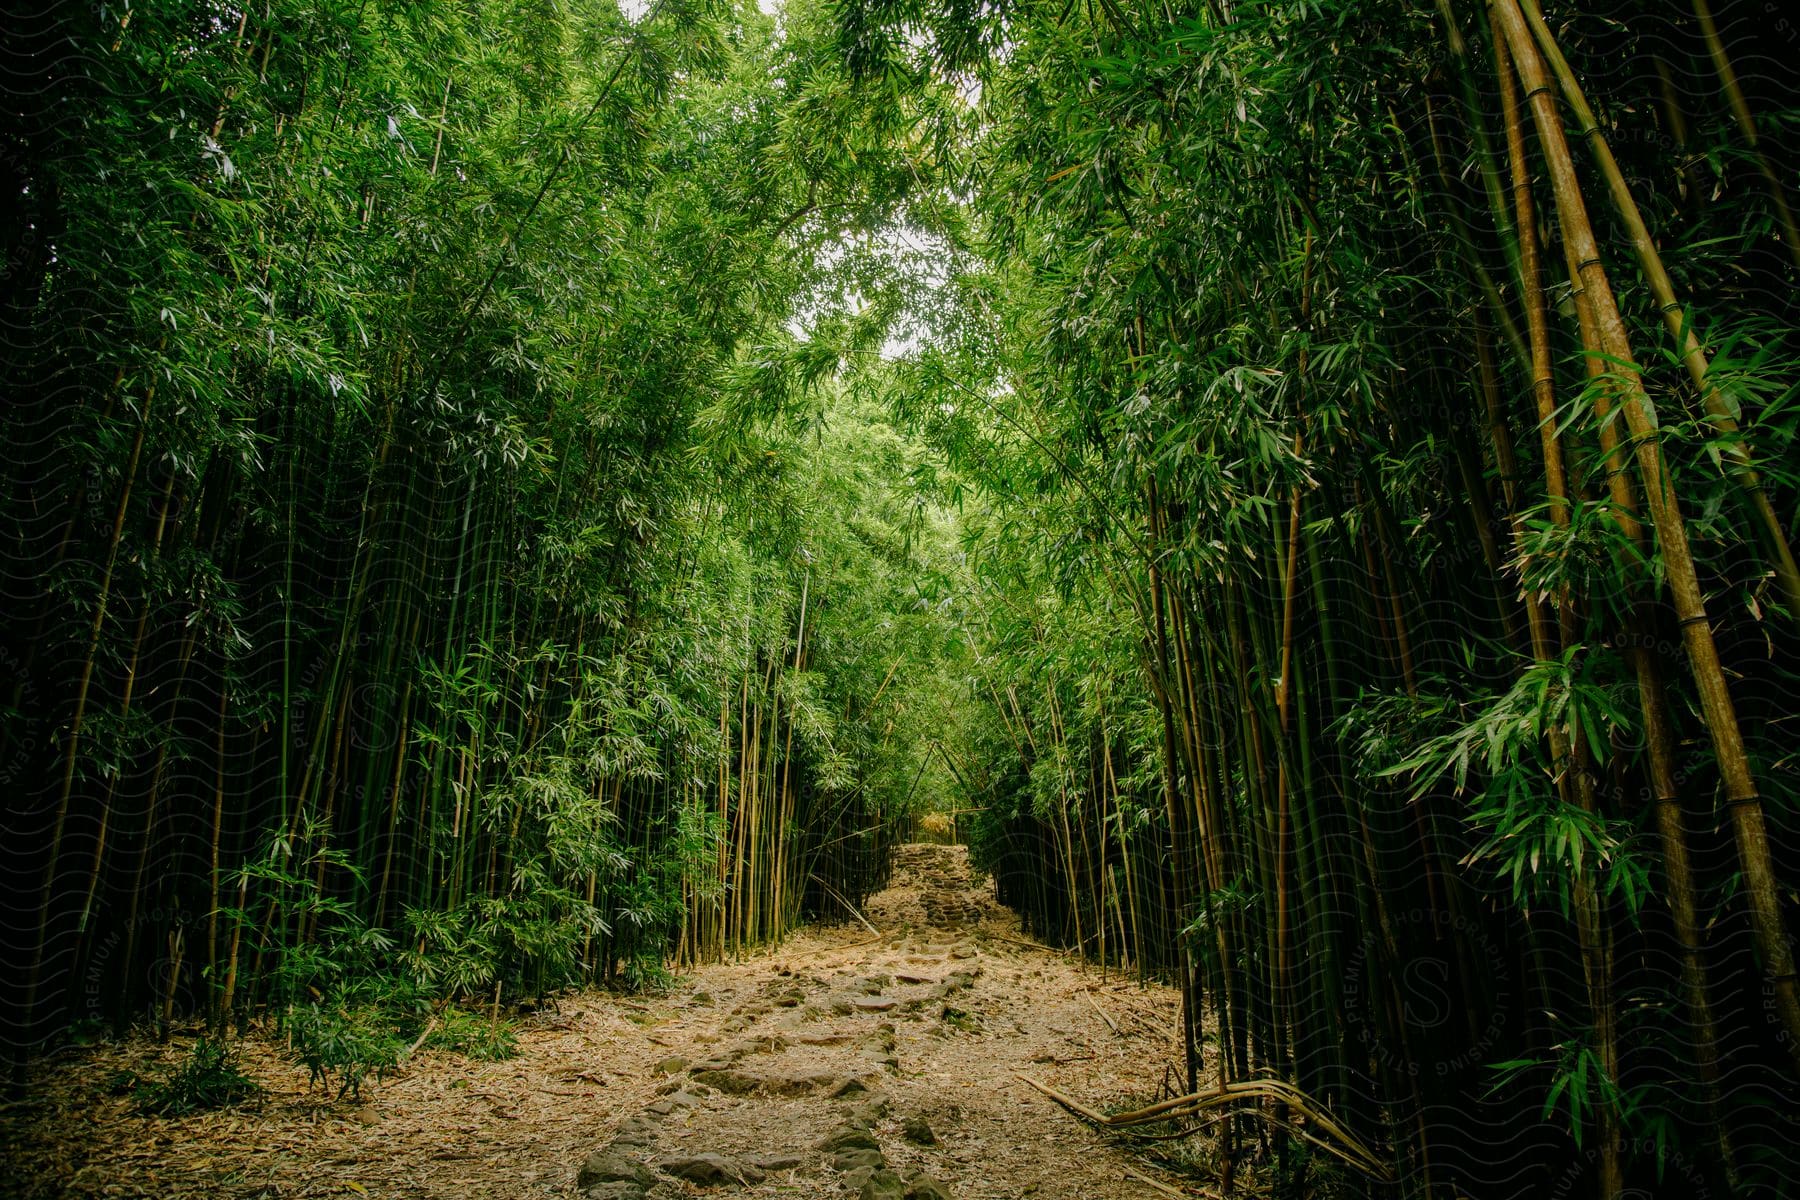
672,1065
873,1003
615,1191
918,1131
850,1088
609,1166
799,1085
960,1019
777,1162
871,985
632,1141
702,999
868,1114
729,1081
742,1083
675,1099
924,1187
855,1159
842,1008
905,977
883,1185
849,1137
711,1170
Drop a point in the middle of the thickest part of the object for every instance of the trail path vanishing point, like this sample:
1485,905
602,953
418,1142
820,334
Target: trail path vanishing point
840,1064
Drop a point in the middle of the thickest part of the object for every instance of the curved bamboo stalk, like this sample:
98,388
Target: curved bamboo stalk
1245,1095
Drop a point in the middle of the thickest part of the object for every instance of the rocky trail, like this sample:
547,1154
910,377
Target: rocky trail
841,1064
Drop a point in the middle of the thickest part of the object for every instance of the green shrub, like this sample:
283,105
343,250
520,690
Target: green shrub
346,1042
474,1035
210,1078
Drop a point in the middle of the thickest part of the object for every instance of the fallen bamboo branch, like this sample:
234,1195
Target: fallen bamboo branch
1160,1186
1110,1023
818,950
419,1041
1340,1143
849,907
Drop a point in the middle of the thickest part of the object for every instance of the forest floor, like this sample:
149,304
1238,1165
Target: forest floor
839,1064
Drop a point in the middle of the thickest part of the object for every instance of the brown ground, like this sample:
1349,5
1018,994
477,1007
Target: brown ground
938,1015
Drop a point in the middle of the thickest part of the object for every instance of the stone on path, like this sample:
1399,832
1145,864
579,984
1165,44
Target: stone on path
728,1080
874,1003
853,1148
711,1170
734,1082
924,1187
634,1133
884,1185
867,1114
918,1131
859,1159
849,1137
610,1166
615,1191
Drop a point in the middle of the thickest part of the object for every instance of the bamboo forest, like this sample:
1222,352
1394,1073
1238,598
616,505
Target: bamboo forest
900,599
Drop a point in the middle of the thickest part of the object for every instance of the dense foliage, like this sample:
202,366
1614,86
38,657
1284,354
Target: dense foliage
499,496
440,562
1390,416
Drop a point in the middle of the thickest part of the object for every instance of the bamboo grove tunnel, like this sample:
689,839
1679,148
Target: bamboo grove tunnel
526,499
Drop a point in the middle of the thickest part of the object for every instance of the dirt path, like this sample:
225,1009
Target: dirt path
840,1065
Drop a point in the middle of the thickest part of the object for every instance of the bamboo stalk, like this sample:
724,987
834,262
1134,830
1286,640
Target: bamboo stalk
1743,801
1733,445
